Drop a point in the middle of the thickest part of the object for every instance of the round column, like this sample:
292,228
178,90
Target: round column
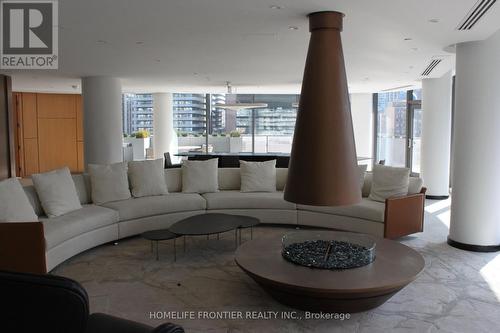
102,119
436,136
475,213
164,135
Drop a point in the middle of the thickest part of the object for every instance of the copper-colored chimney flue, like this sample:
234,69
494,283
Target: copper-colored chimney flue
323,163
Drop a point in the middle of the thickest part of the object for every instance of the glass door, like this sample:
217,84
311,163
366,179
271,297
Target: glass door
398,129
414,137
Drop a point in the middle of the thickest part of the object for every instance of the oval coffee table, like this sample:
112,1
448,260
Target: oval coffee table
213,223
349,290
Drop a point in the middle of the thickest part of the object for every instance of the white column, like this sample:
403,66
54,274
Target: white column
362,122
164,135
436,136
475,208
102,118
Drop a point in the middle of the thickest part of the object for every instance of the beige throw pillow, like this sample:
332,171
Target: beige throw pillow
57,192
389,182
14,203
200,176
147,178
258,176
109,182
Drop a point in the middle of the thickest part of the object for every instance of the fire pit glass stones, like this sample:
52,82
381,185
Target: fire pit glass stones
328,249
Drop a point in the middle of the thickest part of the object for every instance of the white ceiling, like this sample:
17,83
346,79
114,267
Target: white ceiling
197,45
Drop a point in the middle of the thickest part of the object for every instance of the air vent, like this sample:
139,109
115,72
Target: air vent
475,14
431,67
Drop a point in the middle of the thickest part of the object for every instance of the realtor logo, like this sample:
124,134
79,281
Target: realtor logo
29,38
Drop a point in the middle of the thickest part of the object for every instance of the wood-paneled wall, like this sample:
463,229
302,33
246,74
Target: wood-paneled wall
49,132
7,135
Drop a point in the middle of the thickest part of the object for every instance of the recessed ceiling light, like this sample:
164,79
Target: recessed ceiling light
408,39
434,20
275,7
101,42
292,27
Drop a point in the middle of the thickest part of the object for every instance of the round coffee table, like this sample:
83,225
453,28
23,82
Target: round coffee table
159,235
349,290
213,223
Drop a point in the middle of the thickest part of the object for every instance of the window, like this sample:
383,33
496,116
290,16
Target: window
398,134
201,124
391,128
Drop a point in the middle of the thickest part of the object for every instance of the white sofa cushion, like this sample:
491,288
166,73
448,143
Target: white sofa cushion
109,182
389,182
200,176
229,179
82,185
258,176
88,218
367,209
147,178
14,203
157,205
247,200
33,199
414,187
57,192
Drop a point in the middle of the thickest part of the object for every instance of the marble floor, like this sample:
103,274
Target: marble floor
458,291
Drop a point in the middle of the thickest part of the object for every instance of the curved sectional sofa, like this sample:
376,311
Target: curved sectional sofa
67,235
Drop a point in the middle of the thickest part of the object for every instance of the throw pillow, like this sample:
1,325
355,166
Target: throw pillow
147,178
57,192
109,182
258,176
389,182
14,204
362,170
200,176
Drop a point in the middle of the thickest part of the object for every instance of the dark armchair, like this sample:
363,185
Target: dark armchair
48,303
168,161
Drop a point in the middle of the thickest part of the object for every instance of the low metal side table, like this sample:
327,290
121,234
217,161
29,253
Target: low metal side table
160,235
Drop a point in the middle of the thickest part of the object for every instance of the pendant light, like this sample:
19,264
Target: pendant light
238,106
323,164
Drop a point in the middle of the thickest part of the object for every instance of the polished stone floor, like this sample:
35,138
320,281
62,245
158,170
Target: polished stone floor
458,291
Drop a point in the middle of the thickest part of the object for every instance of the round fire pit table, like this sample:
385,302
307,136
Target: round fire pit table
347,290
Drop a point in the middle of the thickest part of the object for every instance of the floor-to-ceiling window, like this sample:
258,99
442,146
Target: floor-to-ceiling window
398,122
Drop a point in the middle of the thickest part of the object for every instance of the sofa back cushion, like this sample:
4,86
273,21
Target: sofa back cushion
200,176
14,204
229,179
57,192
109,182
147,178
258,176
414,186
82,185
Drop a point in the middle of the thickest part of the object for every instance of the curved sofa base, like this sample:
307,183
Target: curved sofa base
80,243
354,224
83,242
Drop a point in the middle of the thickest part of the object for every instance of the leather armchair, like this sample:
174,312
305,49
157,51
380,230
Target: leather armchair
48,303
